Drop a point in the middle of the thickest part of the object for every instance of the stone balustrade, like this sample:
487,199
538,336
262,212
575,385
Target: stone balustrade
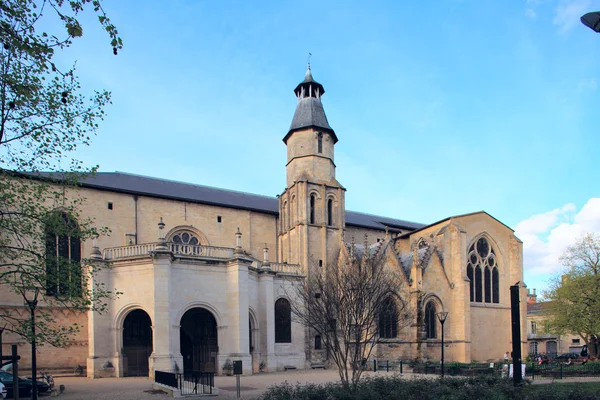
292,269
178,249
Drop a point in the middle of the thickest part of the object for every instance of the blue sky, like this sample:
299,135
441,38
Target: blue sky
441,108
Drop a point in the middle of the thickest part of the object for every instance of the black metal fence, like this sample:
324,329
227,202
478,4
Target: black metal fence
563,370
458,369
383,365
194,382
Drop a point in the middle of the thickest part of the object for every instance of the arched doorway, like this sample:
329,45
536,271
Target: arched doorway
137,343
198,336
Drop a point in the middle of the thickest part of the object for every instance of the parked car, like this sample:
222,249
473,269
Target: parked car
3,393
25,385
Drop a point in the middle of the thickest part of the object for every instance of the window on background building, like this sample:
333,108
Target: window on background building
388,319
533,348
533,328
576,341
330,212
283,321
430,321
63,256
482,270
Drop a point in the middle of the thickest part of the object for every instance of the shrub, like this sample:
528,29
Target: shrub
392,388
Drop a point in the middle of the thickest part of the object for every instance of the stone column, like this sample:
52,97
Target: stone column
237,342
459,309
100,330
163,357
267,319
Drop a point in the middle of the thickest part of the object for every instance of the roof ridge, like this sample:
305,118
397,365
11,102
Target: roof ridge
381,216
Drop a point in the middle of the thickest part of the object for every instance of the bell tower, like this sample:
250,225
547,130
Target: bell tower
312,207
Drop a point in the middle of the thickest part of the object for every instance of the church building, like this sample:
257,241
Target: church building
204,272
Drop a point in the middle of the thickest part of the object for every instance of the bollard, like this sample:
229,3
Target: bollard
561,371
374,365
400,366
532,371
387,365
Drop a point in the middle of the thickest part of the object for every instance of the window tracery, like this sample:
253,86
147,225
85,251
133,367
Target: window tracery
482,271
185,237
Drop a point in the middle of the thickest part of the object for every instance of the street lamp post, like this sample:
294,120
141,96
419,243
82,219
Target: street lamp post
442,317
32,306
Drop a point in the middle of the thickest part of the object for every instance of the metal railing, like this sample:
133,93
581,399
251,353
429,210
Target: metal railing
139,250
196,382
188,383
559,370
457,369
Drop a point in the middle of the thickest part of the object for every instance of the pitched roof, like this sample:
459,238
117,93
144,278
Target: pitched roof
309,113
457,216
163,188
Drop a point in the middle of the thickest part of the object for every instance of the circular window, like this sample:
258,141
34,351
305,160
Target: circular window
185,238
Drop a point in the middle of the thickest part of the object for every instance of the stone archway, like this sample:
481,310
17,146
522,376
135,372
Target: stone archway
137,343
198,340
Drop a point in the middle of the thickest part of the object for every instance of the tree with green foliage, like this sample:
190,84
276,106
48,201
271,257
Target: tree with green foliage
45,115
574,297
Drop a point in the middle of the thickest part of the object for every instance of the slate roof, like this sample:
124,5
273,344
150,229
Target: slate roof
310,113
163,188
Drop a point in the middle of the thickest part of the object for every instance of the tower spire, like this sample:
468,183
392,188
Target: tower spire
309,111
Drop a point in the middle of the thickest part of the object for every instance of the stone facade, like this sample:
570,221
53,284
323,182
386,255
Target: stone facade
212,284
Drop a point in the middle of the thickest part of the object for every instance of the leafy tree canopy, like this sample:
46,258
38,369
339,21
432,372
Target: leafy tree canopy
44,117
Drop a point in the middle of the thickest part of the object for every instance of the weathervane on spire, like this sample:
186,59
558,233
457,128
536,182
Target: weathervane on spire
308,59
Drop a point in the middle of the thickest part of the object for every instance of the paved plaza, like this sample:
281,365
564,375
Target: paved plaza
141,388
252,386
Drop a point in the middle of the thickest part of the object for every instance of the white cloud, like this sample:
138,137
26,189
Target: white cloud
568,13
587,84
530,12
546,236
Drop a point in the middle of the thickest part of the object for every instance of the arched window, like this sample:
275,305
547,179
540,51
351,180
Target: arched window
330,212
495,286
487,281
283,321
185,237
388,319
430,331
483,264
293,211
63,256
478,286
313,200
472,283
319,142
284,219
